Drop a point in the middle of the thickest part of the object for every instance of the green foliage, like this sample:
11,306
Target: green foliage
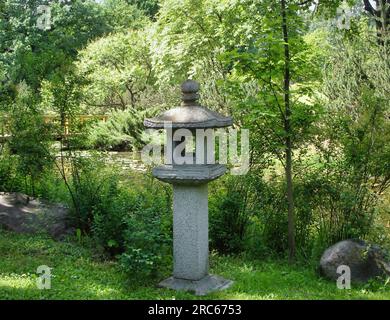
117,69
132,223
189,36
29,138
359,99
31,54
148,233
249,213
130,65
89,191
122,15
122,131
230,215
10,179
149,7
107,216
357,154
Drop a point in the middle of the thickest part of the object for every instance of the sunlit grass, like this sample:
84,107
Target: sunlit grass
78,275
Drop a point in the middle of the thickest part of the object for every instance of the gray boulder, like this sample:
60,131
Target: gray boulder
364,260
22,214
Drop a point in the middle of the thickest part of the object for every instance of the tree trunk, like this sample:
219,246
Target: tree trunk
288,141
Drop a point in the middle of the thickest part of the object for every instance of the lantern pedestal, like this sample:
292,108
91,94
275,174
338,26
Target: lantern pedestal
191,227
191,242
201,287
190,232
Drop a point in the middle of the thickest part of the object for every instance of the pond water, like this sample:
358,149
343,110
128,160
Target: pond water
126,160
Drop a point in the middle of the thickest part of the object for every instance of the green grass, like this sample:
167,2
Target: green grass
77,274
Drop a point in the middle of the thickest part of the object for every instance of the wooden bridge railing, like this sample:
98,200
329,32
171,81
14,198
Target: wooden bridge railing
80,118
5,133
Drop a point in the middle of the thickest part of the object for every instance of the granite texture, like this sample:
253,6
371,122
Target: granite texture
189,174
190,232
190,114
200,287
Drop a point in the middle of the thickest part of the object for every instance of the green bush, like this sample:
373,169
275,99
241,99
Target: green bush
7,170
232,207
108,225
30,139
148,234
130,221
250,214
51,187
122,131
339,210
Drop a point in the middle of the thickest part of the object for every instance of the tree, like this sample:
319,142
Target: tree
287,129
30,137
150,7
356,91
117,69
352,146
122,15
254,56
381,14
31,54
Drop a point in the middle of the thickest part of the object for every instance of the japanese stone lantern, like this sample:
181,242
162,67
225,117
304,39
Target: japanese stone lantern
190,188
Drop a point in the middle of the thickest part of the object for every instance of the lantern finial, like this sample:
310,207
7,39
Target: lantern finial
190,93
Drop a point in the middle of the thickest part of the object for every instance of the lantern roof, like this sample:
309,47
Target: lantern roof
190,114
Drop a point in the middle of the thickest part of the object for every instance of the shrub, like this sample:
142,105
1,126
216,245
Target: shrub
51,187
30,140
250,214
231,210
92,187
133,223
339,210
148,231
122,131
10,178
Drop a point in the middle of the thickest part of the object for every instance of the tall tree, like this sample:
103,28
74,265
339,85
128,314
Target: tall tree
149,7
118,70
258,58
288,133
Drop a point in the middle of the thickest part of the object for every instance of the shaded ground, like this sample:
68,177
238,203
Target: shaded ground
21,214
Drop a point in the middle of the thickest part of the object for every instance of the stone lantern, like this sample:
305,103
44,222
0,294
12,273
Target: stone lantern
190,189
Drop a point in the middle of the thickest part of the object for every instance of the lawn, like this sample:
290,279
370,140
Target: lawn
78,274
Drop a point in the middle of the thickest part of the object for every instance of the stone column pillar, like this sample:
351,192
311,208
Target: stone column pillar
189,180
190,231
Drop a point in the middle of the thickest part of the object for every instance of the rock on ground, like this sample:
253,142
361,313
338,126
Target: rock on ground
22,214
365,261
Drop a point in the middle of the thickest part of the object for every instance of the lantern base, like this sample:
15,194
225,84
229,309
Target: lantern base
190,174
200,287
